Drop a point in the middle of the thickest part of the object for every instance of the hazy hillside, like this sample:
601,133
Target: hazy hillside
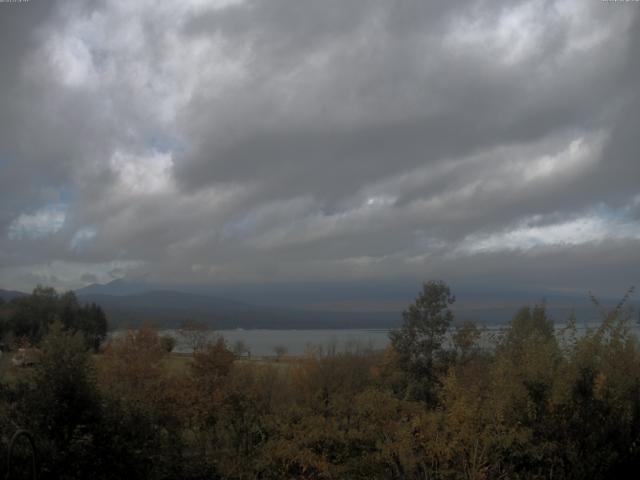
10,294
170,308
115,287
129,304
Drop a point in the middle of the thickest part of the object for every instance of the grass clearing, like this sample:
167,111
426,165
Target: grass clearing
177,364
9,373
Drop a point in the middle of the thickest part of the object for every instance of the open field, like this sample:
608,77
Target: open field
178,363
175,364
10,373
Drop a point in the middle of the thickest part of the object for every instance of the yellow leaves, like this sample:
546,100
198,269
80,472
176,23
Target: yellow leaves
132,371
500,414
465,424
212,363
600,386
612,353
388,372
134,359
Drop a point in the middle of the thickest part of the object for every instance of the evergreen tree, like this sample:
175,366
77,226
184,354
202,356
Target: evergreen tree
418,343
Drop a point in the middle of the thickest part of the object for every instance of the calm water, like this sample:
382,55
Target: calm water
297,342
263,342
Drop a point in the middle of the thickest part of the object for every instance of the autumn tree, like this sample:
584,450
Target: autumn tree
466,341
211,364
208,371
249,400
133,364
195,334
280,351
202,397
598,413
141,417
168,343
240,348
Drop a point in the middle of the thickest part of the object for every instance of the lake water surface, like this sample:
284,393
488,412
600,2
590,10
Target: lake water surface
297,342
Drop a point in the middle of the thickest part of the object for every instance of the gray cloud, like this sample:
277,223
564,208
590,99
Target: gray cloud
293,141
89,278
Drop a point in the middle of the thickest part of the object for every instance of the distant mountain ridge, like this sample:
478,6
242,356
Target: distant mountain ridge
170,308
11,294
128,304
115,287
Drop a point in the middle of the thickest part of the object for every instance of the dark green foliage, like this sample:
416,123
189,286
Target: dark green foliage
168,343
529,323
33,314
61,406
30,317
418,343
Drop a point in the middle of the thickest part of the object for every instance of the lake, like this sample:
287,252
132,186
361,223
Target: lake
297,342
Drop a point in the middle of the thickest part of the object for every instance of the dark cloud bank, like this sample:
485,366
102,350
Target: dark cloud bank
366,145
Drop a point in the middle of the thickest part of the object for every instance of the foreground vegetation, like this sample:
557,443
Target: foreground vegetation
537,404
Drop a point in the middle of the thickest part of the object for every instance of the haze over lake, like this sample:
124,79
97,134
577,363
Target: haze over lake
297,342
261,342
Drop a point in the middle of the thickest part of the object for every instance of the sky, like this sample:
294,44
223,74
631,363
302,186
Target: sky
281,143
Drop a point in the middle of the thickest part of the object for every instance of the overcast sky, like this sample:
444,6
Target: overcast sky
284,142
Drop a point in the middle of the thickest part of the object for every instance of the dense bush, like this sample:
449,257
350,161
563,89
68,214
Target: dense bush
29,318
535,403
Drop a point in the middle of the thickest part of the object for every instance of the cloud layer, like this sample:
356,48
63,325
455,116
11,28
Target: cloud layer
290,141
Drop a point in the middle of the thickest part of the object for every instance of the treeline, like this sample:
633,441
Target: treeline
533,404
25,320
